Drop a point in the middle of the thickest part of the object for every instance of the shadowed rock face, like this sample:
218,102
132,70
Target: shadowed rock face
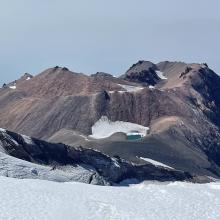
182,111
142,72
59,162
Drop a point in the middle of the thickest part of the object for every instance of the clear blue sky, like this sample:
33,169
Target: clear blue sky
100,35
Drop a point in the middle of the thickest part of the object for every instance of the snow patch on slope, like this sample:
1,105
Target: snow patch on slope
130,88
115,162
151,87
35,199
156,163
13,87
160,74
104,128
27,139
2,130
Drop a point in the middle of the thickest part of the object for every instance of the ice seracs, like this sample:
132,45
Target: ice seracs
21,169
104,128
160,74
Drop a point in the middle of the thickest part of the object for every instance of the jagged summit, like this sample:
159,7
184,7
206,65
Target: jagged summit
175,73
142,72
141,65
101,74
26,75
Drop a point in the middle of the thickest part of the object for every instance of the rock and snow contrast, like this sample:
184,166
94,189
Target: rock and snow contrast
151,87
13,86
24,157
21,169
44,200
129,88
58,99
60,109
104,128
156,163
160,74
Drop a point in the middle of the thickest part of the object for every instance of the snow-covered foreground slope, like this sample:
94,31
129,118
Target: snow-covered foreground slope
16,168
35,199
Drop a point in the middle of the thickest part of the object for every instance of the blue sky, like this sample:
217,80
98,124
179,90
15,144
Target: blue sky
99,35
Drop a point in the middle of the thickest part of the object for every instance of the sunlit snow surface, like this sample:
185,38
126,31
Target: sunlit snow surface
13,87
104,128
160,75
151,87
130,88
27,139
156,163
44,200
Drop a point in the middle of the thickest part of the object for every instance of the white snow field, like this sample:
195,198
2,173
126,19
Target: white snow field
45,200
160,74
104,128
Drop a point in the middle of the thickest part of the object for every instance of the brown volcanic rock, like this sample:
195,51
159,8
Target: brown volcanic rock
61,82
56,99
183,111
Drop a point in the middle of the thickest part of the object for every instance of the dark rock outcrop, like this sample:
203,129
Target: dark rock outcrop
105,170
142,72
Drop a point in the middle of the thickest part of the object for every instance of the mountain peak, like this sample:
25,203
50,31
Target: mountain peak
101,74
178,102
142,72
141,65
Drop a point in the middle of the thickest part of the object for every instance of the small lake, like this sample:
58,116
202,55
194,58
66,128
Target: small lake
134,137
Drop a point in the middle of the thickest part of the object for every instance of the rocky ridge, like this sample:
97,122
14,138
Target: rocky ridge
178,102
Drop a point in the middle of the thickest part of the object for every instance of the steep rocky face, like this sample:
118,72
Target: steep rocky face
207,85
142,72
205,97
59,162
182,111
